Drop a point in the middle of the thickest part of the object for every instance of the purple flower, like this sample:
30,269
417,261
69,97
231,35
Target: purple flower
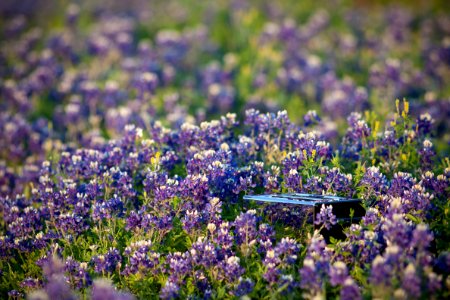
107,262
400,183
309,277
56,286
141,259
425,123
326,217
338,273
266,236
315,265
223,236
232,269
373,182
380,272
169,291
77,273
350,290
293,180
287,250
411,282
244,287
191,220
179,265
103,290
133,220
311,117
212,210
426,155
335,181
421,237
371,218
31,283
271,262
203,253
245,228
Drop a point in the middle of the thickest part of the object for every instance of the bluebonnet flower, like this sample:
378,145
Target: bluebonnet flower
246,147
380,271
426,154
70,222
311,117
244,287
293,181
146,83
78,275
16,25
195,187
287,250
103,290
293,160
344,97
356,135
167,190
416,200
314,185
309,278
169,291
152,180
245,230
338,273
434,282
202,284
191,220
421,237
232,270
278,259
400,183
56,285
315,265
272,180
271,262
179,265
335,181
287,284
141,259
244,184
203,253
223,236
213,209
266,237
31,283
371,218
325,217
425,123
364,243
133,220
411,282
374,183
396,230
15,294
350,290
107,262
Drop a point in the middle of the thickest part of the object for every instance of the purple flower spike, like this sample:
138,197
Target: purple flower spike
326,217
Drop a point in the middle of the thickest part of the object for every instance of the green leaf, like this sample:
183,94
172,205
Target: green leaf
413,218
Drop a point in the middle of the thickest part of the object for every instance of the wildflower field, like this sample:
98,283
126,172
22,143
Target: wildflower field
130,131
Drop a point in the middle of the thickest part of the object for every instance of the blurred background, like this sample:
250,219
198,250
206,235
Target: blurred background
84,69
